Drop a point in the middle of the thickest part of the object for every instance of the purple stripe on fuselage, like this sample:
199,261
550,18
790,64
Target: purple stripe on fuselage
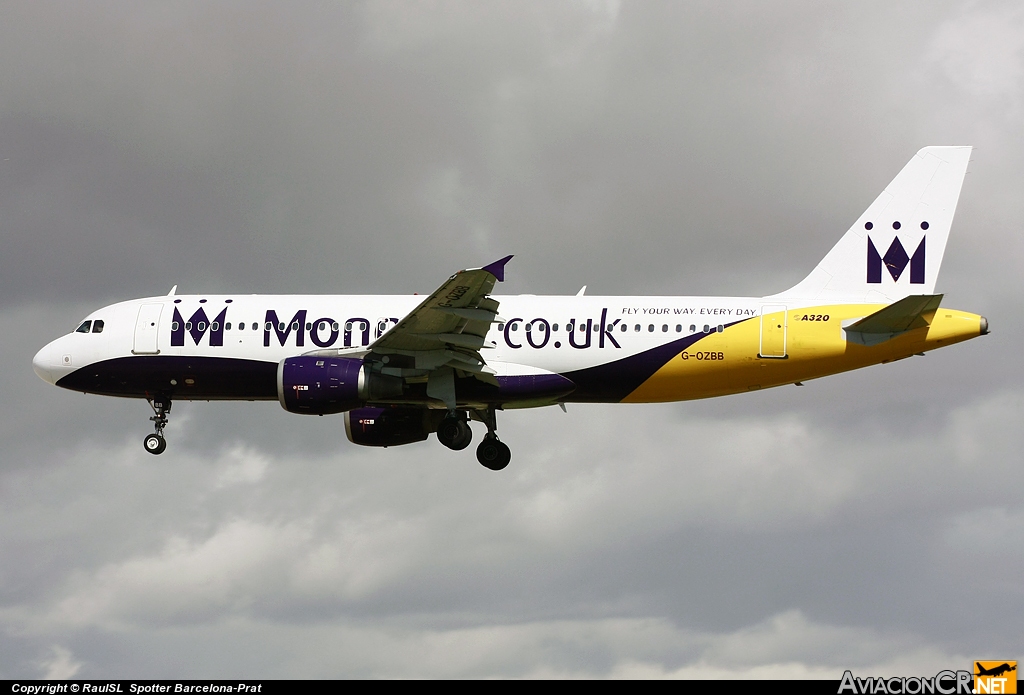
195,378
612,382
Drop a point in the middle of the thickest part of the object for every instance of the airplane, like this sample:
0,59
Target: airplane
995,671
400,368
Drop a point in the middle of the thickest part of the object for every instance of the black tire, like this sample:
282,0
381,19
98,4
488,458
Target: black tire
493,454
465,436
154,444
454,433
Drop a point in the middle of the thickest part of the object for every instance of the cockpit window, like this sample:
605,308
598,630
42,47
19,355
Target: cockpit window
84,328
97,326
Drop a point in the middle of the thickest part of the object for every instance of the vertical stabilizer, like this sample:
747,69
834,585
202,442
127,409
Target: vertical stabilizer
895,249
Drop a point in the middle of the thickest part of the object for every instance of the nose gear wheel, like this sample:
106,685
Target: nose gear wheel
155,443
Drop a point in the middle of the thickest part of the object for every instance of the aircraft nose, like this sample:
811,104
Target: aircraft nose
42,364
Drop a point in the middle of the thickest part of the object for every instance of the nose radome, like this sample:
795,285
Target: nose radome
41,365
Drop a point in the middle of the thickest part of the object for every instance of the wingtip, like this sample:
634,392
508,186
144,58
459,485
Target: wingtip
497,269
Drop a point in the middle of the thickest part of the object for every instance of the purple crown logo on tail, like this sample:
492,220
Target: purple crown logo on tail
896,261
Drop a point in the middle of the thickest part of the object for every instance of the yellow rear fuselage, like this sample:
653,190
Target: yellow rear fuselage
807,343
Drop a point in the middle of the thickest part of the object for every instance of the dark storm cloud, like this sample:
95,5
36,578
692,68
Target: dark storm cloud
335,148
586,531
638,148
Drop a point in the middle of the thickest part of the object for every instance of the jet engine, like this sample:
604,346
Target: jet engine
390,426
313,385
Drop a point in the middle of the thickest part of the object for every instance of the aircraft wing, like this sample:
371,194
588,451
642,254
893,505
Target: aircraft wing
447,330
458,314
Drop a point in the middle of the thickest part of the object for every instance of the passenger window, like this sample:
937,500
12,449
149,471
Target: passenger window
637,329
97,326
721,328
664,328
554,328
650,328
84,328
623,329
255,326
679,328
693,329
227,326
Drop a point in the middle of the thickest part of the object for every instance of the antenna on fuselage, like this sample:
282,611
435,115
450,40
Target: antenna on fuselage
583,290
173,290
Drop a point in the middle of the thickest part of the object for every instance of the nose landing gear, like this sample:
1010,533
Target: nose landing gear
155,443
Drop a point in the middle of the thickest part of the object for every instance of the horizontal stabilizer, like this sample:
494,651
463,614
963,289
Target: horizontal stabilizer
915,311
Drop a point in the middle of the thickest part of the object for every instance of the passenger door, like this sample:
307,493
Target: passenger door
147,328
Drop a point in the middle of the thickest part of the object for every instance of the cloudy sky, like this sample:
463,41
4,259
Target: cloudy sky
870,521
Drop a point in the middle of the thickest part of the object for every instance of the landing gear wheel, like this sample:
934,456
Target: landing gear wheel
454,433
154,443
493,454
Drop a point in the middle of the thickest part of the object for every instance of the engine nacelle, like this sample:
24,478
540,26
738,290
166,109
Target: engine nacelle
390,426
313,385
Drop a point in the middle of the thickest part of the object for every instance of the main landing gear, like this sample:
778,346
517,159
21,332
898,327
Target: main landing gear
492,452
155,443
454,433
